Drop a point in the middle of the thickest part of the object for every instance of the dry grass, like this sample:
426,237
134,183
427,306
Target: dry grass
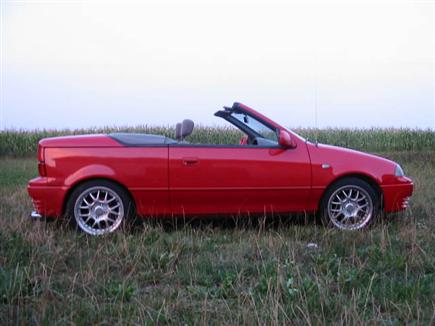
218,271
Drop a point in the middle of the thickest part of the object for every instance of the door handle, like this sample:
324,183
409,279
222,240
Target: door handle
190,161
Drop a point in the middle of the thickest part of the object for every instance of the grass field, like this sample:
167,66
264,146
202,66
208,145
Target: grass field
219,271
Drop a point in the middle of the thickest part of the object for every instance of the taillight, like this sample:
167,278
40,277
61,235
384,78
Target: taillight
41,153
41,161
41,169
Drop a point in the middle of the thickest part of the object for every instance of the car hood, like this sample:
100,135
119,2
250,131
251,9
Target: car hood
347,152
349,160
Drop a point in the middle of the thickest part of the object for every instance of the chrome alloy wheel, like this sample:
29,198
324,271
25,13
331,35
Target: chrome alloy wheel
350,207
99,210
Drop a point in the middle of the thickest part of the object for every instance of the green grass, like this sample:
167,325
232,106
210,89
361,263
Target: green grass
15,143
225,271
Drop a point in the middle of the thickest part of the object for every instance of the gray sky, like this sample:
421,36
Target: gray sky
74,64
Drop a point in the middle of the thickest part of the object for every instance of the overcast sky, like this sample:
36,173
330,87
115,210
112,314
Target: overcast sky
74,64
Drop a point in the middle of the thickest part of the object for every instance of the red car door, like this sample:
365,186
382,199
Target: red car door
239,179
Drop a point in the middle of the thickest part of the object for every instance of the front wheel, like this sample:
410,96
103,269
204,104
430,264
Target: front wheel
349,204
98,207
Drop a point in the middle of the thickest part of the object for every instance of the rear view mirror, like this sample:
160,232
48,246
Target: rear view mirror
285,140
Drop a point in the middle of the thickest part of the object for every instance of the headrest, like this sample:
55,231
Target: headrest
178,131
186,128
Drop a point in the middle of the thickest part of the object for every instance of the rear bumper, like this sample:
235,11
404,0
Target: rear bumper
397,196
47,200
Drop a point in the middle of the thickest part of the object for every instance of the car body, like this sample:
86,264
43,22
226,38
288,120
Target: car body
272,170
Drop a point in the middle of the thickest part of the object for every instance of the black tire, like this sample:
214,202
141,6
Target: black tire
345,215
86,192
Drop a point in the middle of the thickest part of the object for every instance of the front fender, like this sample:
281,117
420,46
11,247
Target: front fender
329,164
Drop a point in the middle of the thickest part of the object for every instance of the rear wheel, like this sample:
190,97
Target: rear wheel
349,204
99,206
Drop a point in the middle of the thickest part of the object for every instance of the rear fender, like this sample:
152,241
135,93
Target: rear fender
93,171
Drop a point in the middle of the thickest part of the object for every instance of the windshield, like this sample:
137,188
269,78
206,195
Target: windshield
258,127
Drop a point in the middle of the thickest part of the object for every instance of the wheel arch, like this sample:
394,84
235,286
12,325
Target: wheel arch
364,177
93,178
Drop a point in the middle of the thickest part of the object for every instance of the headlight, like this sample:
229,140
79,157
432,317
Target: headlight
399,171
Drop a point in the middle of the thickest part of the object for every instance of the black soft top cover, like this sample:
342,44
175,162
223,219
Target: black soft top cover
131,139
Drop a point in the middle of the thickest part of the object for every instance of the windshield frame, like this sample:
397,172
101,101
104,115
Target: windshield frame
256,126
227,114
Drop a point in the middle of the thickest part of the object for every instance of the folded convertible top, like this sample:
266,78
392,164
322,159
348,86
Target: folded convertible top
132,139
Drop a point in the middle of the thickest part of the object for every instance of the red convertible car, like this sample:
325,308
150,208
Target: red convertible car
100,180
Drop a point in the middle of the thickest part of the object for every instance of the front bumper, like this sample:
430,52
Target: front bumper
397,196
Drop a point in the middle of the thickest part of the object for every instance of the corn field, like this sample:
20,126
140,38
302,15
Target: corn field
18,143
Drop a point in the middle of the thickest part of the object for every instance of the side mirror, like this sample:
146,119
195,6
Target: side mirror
285,139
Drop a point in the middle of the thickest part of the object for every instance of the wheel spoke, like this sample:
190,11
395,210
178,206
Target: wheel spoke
357,195
115,206
115,213
363,206
110,200
93,198
337,214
